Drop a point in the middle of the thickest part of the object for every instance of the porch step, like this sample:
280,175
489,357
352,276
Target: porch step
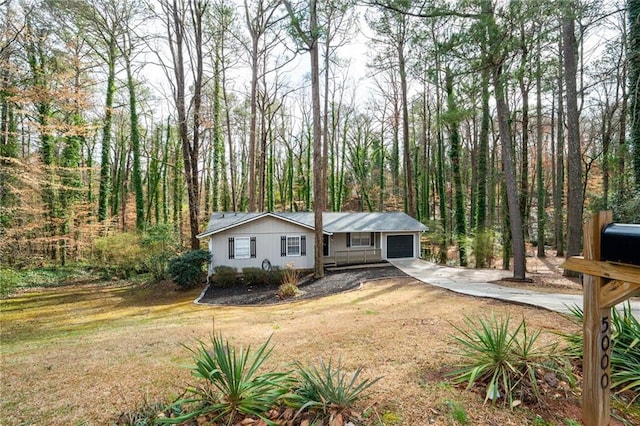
358,266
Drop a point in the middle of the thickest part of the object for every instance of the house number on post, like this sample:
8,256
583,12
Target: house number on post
605,344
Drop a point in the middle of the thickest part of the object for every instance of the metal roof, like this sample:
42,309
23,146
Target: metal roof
331,222
360,221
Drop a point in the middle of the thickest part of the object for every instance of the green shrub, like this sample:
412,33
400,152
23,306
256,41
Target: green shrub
224,276
482,247
503,360
232,384
328,388
9,281
186,270
276,275
255,276
160,243
120,254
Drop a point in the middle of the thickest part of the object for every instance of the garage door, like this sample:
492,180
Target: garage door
399,246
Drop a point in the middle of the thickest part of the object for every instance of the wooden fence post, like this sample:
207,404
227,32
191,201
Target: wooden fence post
596,333
605,285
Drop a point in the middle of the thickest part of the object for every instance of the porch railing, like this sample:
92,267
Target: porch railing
345,257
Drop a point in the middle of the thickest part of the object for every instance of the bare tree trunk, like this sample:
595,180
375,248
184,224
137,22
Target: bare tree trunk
253,114
318,196
574,166
515,220
558,198
539,180
406,144
454,138
177,14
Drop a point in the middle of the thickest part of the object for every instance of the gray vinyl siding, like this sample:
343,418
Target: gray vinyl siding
267,232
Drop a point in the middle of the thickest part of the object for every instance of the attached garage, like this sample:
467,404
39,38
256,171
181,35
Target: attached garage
400,246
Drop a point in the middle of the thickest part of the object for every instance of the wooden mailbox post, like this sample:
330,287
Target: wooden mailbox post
605,284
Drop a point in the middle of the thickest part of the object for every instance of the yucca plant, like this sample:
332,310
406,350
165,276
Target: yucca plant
504,360
232,384
328,388
625,352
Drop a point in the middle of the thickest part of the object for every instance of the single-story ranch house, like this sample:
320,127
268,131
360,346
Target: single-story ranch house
264,240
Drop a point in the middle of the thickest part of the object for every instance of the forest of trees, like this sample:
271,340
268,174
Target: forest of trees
484,119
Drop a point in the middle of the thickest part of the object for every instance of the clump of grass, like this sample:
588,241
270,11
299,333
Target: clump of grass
290,274
9,281
457,412
504,361
148,413
287,290
289,284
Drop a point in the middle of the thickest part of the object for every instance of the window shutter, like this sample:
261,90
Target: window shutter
253,247
232,251
348,239
303,245
283,246
373,239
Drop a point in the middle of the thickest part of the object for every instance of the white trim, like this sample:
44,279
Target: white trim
360,233
235,247
385,247
299,245
260,216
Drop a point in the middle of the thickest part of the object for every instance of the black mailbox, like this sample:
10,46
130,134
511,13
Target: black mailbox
620,243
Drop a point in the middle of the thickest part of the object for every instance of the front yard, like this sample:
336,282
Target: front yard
83,355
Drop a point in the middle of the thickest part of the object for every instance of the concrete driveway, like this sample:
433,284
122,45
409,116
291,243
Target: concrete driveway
475,282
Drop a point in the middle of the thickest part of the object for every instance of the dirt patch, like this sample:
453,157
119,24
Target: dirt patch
544,274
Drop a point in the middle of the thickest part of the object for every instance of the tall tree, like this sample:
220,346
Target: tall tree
539,177
558,196
184,19
101,22
310,38
131,17
633,7
393,29
453,118
260,20
496,58
338,22
574,165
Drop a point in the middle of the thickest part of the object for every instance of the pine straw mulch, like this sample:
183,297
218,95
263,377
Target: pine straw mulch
334,281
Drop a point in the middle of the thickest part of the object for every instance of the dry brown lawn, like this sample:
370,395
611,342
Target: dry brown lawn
85,354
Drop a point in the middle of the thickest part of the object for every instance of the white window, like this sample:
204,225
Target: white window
360,239
293,246
242,248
